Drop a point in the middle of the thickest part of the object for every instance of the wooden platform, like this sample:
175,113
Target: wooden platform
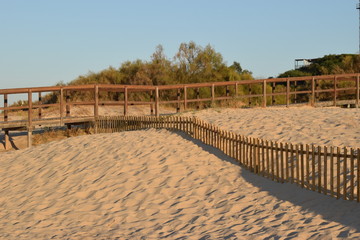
23,125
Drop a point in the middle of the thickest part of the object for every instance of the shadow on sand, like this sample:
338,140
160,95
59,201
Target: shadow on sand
344,212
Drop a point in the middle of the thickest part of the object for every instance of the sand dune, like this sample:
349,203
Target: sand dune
155,184
321,126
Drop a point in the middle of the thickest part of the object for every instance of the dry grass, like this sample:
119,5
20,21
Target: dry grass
53,134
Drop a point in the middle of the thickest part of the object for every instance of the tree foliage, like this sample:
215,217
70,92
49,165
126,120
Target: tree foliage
191,64
327,65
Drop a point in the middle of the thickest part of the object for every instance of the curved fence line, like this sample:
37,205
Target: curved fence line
332,171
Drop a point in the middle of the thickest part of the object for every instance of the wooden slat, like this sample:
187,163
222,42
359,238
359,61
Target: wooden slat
308,166
358,175
332,171
302,166
325,170
319,168
345,174
352,170
313,169
338,174
282,162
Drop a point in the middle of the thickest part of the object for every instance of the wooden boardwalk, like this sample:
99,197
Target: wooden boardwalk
338,89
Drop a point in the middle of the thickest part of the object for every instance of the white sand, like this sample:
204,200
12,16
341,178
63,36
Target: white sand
153,184
156,184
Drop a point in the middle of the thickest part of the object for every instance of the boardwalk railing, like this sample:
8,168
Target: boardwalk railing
315,90
332,171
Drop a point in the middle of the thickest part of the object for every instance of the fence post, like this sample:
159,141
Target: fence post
357,91
67,103
7,135
185,98
125,101
335,90
40,102
213,94
29,127
313,92
61,105
178,99
157,102
273,91
197,97
287,92
264,93
96,104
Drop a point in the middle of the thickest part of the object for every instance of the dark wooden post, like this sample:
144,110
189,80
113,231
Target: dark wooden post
125,101
157,102
67,103
287,92
96,103
295,95
313,92
197,97
264,94
185,98
236,90
357,91
6,116
29,127
7,132
272,91
335,90
213,94
61,105
250,92
178,99
40,102
151,105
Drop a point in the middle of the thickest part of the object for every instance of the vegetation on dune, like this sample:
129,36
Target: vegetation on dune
191,64
327,65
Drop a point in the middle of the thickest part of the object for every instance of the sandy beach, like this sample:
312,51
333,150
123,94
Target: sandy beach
155,184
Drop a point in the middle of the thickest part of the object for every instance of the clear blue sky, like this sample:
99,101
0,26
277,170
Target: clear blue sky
43,42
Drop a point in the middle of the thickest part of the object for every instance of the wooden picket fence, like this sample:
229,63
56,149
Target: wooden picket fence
332,171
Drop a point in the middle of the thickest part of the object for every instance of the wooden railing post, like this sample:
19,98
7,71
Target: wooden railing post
287,92
250,93
197,97
185,98
272,91
357,91
7,134
6,112
335,90
264,94
151,105
40,102
313,92
61,100
96,104
213,94
29,127
125,101
67,103
178,99
157,102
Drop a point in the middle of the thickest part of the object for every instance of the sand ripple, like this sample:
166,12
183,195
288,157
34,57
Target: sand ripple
155,184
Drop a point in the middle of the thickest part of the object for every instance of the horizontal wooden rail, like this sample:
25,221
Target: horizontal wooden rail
339,89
